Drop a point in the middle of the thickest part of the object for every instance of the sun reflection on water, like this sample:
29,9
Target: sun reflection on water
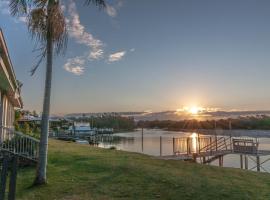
194,137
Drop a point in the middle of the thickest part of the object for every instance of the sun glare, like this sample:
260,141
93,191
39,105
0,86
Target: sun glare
194,110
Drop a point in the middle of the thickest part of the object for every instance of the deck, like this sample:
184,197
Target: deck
206,149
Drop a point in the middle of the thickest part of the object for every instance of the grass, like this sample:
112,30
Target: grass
81,172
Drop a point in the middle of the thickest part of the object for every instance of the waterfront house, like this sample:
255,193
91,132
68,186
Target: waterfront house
81,128
10,98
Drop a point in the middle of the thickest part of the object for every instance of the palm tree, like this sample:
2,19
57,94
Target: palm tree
46,24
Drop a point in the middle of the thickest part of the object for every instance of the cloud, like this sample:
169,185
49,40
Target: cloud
22,19
77,31
98,53
132,50
4,7
75,66
116,56
112,10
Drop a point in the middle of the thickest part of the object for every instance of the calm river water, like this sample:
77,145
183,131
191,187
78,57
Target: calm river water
150,144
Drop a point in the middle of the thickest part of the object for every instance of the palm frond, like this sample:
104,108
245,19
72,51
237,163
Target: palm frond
56,20
40,3
37,24
44,22
40,57
100,3
18,7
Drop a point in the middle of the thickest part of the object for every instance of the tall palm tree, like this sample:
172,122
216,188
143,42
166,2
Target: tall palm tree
46,24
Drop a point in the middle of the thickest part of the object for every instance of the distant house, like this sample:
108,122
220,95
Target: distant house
81,128
10,97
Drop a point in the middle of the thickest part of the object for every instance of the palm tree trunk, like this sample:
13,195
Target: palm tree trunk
41,177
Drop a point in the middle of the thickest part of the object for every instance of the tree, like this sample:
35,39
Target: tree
46,24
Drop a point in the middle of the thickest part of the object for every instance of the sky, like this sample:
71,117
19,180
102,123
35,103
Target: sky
151,55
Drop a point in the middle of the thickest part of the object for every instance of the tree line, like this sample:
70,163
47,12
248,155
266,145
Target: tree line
257,122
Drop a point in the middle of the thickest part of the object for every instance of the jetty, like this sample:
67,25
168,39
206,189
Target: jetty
207,149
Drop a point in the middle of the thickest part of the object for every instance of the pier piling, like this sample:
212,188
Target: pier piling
241,161
173,146
220,161
160,145
246,162
258,163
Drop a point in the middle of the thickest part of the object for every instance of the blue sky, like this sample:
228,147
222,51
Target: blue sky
152,55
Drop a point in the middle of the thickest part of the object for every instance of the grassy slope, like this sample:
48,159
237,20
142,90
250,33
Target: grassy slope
83,172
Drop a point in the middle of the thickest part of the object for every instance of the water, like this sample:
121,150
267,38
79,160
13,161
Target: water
150,144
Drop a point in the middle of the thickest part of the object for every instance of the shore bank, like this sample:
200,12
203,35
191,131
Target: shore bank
82,172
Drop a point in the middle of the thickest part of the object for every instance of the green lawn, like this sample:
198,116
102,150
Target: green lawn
82,172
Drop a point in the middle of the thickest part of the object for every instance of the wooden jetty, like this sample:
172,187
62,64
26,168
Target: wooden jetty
206,149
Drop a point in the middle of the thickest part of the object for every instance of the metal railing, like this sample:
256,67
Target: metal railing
245,145
19,144
215,144
201,144
182,145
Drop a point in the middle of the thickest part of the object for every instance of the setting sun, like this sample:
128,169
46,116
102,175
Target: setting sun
194,110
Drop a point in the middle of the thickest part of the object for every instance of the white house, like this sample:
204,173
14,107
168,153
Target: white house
10,98
82,128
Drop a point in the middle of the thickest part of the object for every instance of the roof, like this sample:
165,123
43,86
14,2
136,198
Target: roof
81,126
8,79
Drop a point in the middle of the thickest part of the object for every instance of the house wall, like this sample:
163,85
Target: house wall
7,112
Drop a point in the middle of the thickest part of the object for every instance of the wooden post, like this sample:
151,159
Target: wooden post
142,139
210,144
258,163
4,177
216,142
160,145
203,159
220,161
187,145
246,162
230,127
199,143
194,157
13,177
231,142
241,161
173,143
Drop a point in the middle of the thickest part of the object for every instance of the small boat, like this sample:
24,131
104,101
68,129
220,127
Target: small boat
80,141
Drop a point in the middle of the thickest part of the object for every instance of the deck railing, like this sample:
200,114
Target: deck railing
201,144
245,145
19,144
215,144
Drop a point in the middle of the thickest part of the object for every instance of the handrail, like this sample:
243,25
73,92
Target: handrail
19,144
220,142
210,144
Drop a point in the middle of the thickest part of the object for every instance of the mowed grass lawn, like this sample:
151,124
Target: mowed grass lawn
82,172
